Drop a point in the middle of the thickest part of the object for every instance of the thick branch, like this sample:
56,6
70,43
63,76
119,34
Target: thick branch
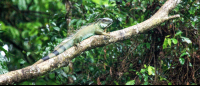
98,40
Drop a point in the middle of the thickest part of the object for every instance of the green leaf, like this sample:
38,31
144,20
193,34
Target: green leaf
101,2
132,82
91,68
45,38
193,84
178,33
142,70
66,69
51,75
176,9
193,23
13,32
22,4
116,83
145,66
165,43
146,77
192,10
28,53
182,61
33,32
174,40
167,36
97,2
56,28
183,54
2,25
148,45
1,41
21,61
169,41
190,64
3,71
187,40
145,83
151,70
4,50
1,31
25,33
72,21
169,83
79,22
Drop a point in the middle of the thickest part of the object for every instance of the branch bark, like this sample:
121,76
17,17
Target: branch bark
63,59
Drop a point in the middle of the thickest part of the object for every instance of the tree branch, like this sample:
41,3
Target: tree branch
98,40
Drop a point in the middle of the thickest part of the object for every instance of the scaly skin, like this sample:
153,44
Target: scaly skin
85,32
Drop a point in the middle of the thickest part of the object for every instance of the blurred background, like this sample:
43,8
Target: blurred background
168,54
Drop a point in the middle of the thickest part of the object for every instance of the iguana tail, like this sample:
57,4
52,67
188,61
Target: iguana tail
59,50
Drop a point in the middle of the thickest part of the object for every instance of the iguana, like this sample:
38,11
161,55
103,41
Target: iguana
95,28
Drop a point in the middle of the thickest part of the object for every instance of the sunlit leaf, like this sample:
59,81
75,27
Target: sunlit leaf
4,50
183,54
146,77
174,40
169,41
116,83
193,23
190,64
178,33
131,82
146,83
151,70
165,43
145,66
79,22
72,21
33,32
22,4
45,38
182,61
3,71
101,2
21,61
56,28
1,31
25,33
142,70
1,41
192,10
168,36
187,40
169,83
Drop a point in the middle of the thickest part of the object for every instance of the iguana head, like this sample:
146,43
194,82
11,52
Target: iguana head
104,22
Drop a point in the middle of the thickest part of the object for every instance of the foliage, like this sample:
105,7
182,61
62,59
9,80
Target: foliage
167,54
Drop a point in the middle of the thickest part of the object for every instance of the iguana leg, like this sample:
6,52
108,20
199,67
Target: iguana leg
107,34
101,32
77,41
76,44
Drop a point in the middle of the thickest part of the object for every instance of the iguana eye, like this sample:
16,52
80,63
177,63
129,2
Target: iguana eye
105,20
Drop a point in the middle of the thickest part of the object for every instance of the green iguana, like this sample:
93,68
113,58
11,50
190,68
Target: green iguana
95,28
